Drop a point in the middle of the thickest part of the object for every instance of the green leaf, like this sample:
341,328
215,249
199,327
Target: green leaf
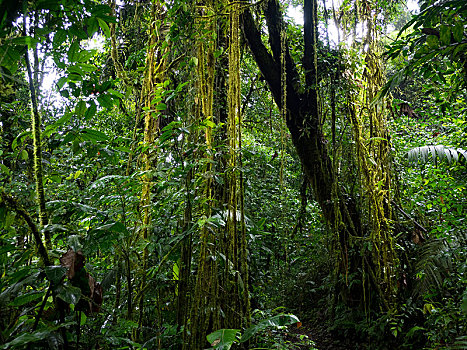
115,93
91,111
74,243
27,338
55,273
75,146
5,169
77,30
83,319
61,82
47,4
93,135
69,294
74,77
69,137
104,237
275,321
86,55
439,151
464,303
73,52
105,101
113,227
10,57
58,61
59,38
432,41
88,68
99,10
27,298
445,34
161,106
458,32
92,26
104,26
75,70
209,123
24,155
223,338
80,109
25,40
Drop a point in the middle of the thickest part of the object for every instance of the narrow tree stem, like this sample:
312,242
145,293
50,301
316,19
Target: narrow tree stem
36,131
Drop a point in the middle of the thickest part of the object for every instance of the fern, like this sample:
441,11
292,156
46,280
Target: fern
432,263
461,343
424,153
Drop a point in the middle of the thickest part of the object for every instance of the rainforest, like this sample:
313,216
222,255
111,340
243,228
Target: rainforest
223,174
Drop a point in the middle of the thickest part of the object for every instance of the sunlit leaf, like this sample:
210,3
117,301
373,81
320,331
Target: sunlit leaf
275,322
223,339
104,26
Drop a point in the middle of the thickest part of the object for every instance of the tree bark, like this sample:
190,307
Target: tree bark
302,108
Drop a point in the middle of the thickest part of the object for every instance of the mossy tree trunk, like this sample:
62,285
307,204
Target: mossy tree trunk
37,146
204,310
152,89
220,297
339,209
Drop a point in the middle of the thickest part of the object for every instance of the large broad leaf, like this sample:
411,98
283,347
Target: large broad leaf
223,338
424,153
115,226
36,336
275,322
51,128
12,291
74,207
93,135
55,274
27,298
27,338
69,294
104,237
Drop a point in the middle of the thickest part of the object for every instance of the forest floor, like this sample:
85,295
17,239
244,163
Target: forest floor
319,334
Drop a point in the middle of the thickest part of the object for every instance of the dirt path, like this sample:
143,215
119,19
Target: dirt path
319,334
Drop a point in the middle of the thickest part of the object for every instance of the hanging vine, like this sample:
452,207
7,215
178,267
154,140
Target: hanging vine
236,261
153,86
205,313
372,145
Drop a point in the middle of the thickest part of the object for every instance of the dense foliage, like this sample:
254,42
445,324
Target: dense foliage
211,174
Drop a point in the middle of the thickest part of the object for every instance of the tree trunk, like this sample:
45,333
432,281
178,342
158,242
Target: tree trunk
36,134
303,122
302,110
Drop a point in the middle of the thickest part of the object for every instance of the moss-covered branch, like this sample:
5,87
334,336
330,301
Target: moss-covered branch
12,204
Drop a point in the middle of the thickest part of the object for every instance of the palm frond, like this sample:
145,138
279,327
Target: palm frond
432,265
433,152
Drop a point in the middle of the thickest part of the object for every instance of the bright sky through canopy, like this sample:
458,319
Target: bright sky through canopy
297,14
